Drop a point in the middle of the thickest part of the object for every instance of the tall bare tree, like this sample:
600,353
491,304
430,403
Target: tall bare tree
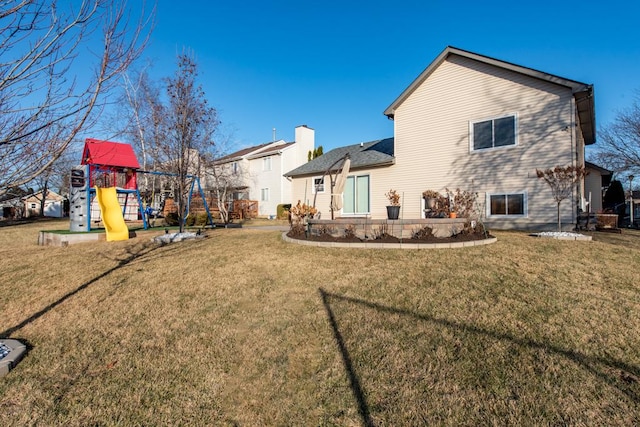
140,94
223,179
50,89
55,177
619,142
178,128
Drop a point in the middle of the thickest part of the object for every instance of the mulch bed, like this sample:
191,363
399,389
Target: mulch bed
392,239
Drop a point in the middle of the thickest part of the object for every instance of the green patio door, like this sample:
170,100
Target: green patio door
356,195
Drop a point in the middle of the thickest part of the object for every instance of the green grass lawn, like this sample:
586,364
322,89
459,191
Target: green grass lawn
241,328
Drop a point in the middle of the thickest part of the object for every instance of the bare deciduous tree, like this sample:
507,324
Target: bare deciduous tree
175,131
619,142
49,88
55,177
140,94
225,178
562,180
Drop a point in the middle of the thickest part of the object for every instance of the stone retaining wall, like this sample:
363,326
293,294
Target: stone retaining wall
365,228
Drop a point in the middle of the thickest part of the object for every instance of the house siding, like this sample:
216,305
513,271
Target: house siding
53,205
270,179
284,157
433,148
593,190
433,145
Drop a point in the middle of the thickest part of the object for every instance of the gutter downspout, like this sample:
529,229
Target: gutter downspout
574,159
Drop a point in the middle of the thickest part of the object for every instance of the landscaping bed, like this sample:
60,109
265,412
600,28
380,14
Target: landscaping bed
461,237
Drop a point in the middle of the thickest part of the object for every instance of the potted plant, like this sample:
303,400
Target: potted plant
430,199
393,209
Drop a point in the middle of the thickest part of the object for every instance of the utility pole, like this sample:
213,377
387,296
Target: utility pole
631,199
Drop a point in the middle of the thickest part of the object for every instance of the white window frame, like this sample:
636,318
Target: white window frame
368,212
264,194
493,119
314,185
234,167
525,203
266,164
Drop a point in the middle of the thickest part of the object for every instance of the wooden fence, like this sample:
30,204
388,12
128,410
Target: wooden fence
240,209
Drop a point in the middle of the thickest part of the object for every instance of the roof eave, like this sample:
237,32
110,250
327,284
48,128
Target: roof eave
585,107
353,168
267,153
600,169
391,109
576,87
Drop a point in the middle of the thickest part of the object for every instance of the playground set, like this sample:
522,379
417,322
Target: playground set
105,186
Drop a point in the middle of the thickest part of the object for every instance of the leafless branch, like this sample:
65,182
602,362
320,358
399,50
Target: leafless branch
49,89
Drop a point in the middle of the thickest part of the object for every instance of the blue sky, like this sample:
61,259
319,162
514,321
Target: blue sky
336,65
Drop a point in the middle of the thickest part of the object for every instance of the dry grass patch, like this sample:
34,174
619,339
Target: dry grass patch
243,329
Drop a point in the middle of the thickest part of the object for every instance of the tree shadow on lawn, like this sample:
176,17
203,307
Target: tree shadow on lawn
613,372
132,254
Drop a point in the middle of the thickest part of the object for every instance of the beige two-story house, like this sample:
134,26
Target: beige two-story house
476,123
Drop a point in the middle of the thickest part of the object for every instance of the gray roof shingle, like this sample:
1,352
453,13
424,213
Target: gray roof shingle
363,155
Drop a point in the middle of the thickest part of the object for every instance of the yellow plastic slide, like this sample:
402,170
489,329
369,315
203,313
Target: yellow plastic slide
112,214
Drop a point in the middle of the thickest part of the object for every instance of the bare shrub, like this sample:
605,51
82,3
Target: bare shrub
326,230
300,213
380,232
350,231
464,203
297,229
422,233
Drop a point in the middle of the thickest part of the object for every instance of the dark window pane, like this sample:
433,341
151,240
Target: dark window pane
498,205
515,204
505,131
482,137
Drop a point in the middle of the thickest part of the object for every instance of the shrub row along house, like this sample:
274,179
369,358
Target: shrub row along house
475,123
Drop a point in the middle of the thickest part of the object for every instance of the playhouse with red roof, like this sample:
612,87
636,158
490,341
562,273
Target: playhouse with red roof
110,163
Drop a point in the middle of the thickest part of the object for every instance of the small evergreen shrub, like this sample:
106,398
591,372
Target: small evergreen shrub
172,219
283,210
202,219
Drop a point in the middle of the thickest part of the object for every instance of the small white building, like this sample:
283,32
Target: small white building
53,205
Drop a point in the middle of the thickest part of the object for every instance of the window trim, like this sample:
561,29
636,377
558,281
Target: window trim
266,164
263,192
525,204
354,214
516,133
313,184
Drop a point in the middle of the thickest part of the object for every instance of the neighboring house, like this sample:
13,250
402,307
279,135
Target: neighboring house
12,204
53,205
476,123
260,169
595,184
11,208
